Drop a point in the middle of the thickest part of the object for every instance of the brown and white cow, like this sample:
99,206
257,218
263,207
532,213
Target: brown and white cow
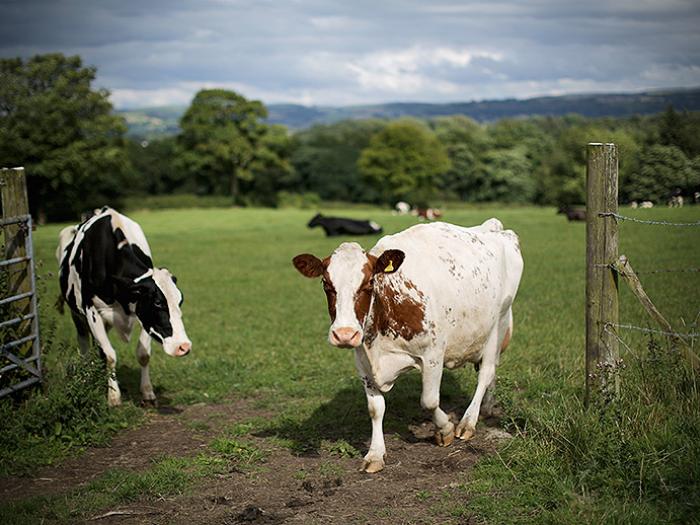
432,296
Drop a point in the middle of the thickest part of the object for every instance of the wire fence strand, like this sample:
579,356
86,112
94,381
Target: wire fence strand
658,270
619,217
689,335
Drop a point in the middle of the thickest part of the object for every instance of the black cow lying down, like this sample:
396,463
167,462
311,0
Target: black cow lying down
108,280
334,226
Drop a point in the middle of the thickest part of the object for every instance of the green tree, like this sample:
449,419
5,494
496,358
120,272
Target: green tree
271,168
465,142
662,170
325,160
153,165
221,140
404,161
63,132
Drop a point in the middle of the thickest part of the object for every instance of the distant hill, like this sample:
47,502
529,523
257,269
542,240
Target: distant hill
152,122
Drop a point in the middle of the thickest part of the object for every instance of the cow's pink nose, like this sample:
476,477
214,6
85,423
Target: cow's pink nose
183,349
346,337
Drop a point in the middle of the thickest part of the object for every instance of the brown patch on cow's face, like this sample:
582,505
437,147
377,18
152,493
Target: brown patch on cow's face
395,314
363,296
329,289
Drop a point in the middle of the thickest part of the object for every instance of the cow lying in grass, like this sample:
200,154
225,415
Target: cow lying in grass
108,280
433,296
334,226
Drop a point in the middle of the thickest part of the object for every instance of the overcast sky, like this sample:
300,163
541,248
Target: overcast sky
313,52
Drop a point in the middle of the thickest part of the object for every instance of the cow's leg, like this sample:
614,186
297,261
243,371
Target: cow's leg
430,400
487,376
99,332
374,459
83,330
143,353
488,405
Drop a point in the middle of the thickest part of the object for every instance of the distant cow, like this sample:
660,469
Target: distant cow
427,213
675,201
402,208
573,214
108,280
334,226
432,296
646,204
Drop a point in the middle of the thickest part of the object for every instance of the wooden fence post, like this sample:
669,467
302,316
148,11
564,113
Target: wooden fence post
13,191
602,346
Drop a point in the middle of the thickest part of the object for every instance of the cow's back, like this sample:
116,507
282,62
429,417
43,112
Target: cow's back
465,279
100,248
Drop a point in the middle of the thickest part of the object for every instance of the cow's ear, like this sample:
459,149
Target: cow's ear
389,261
308,265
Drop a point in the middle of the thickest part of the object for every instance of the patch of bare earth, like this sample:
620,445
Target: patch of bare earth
166,432
284,488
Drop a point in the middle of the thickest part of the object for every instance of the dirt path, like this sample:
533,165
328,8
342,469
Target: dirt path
285,488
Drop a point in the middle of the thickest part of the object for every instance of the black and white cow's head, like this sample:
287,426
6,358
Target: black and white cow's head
155,299
348,277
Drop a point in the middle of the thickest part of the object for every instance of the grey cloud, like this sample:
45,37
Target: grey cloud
363,51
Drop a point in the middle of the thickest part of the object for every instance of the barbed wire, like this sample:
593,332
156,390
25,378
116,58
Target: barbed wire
660,270
689,335
606,329
669,270
619,217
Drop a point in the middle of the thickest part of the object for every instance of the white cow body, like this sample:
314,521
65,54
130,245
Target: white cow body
463,279
445,302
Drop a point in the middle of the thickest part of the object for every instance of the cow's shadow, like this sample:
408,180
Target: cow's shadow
345,417
129,378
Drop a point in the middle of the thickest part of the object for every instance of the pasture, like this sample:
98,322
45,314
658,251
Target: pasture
264,422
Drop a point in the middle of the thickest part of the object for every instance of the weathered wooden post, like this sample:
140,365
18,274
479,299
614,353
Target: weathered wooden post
602,346
13,189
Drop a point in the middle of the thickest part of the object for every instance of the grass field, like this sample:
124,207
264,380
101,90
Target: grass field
259,331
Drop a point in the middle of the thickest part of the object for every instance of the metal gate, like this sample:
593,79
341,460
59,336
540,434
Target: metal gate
20,360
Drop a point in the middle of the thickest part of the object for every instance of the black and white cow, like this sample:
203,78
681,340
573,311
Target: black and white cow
334,226
108,280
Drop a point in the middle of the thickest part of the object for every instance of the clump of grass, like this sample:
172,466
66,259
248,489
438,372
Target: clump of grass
628,458
68,413
168,476
340,448
238,451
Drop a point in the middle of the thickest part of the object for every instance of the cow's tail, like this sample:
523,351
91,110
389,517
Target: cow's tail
60,301
64,239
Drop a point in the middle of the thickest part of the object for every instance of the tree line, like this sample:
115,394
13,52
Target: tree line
77,155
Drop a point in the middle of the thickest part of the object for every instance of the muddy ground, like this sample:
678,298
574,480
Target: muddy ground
284,488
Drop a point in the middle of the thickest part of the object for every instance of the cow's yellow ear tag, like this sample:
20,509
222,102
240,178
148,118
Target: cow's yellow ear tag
390,267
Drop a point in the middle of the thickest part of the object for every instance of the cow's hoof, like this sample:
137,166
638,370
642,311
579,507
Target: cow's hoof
465,431
372,466
445,440
149,403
